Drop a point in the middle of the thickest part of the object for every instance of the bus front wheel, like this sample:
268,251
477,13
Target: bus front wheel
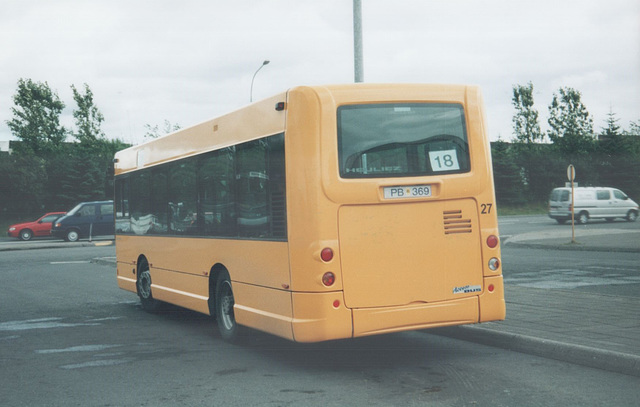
143,285
224,308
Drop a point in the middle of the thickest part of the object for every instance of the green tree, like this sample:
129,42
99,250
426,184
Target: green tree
26,180
525,121
507,175
88,118
634,129
36,118
611,139
619,158
527,149
154,132
571,125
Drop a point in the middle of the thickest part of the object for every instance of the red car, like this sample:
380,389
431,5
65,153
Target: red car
40,227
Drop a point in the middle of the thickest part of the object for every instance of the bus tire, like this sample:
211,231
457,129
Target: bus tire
143,286
225,316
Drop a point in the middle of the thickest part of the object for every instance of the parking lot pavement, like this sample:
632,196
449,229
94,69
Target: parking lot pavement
589,240
600,331
595,330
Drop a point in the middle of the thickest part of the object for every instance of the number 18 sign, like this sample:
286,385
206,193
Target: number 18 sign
445,160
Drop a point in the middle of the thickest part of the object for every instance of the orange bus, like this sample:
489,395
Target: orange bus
321,213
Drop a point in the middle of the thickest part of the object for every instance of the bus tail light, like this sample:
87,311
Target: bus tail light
328,279
326,254
491,287
494,263
492,241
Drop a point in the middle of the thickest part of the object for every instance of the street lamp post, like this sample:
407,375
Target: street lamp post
357,41
265,62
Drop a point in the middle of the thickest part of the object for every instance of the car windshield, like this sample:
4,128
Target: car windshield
559,195
74,210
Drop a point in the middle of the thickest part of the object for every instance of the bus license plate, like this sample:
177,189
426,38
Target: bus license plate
409,191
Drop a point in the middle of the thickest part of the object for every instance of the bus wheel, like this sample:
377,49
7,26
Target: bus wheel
143,285
224,308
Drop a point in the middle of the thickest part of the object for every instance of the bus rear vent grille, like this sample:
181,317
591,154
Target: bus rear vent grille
455,223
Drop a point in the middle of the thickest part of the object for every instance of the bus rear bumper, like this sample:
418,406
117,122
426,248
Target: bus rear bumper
373,321
320,317
492,305
323,316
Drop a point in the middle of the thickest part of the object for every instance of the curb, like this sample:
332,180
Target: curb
581,247
60,245
591,240
577,354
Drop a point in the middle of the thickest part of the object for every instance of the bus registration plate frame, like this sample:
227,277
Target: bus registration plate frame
407,191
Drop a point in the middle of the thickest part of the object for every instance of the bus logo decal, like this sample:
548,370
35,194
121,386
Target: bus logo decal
467,289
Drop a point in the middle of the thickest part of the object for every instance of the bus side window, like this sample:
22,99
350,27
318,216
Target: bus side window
216,194
140,202
182,195
277,188
252,179
158,220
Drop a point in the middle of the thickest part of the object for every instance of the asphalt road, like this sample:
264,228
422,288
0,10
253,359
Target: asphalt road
69,336
601,272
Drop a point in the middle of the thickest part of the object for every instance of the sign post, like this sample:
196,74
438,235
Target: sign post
571,175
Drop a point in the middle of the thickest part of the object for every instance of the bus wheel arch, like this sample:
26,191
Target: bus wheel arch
213,280
143,286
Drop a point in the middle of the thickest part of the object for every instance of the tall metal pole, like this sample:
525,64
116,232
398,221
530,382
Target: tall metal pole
357,41
254,77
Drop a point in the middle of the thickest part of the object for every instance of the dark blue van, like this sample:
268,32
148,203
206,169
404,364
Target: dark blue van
87,219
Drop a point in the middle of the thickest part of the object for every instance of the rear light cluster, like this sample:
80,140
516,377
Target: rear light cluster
494,262
326,254
328,278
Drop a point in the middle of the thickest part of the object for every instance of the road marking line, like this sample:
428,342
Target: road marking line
71,262
97,363
81,348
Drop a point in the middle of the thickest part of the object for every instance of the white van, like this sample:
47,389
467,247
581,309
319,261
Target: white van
591,203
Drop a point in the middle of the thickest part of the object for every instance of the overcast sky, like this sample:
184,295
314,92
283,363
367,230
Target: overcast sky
188,61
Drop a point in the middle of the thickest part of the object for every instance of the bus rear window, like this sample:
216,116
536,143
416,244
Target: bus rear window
402,140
